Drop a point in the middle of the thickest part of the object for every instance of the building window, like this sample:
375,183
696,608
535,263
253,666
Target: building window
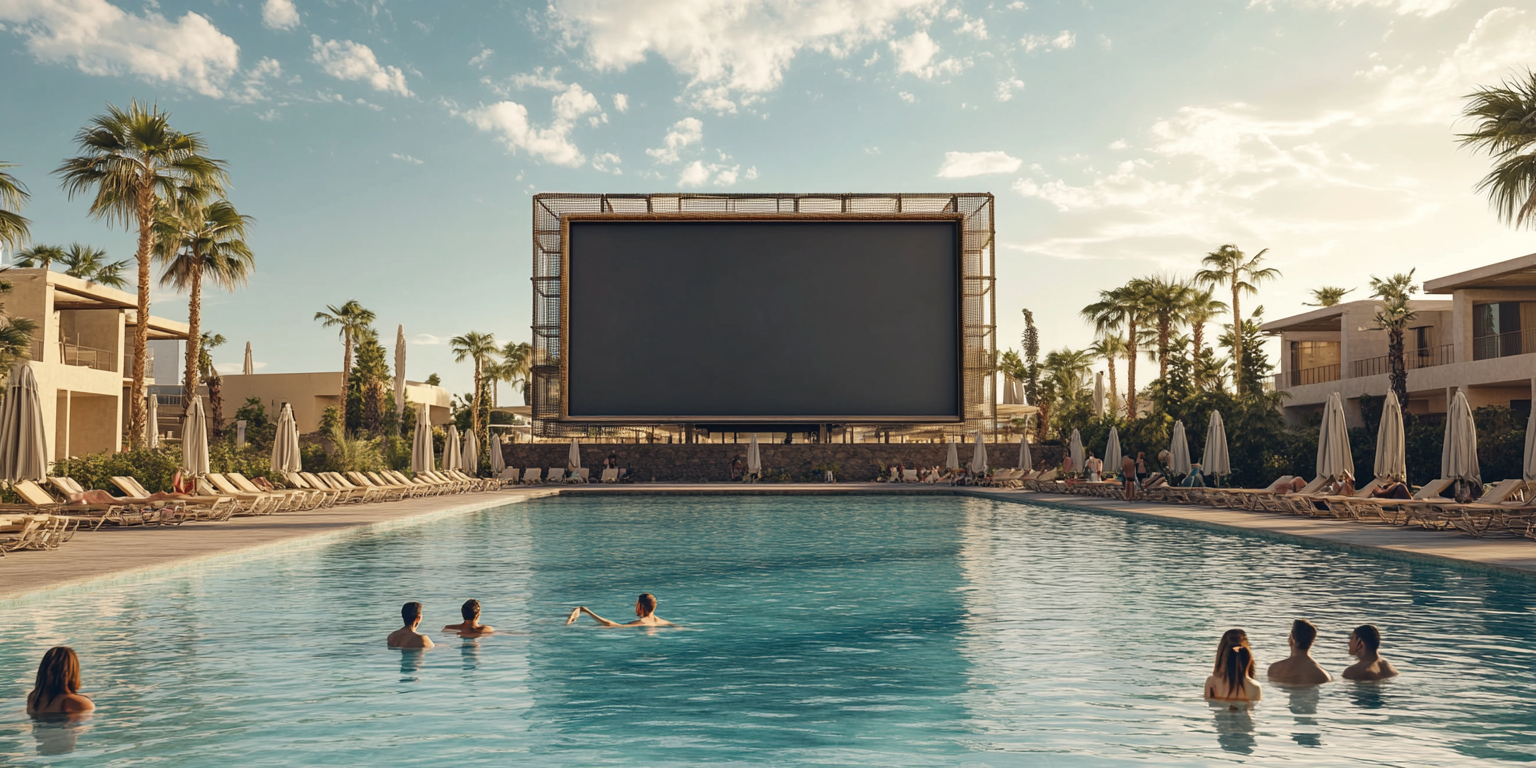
1314,361
1502,329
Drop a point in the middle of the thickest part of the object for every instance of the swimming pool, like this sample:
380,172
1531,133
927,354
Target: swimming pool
819,630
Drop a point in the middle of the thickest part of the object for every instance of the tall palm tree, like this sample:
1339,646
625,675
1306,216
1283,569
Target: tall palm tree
39,256
478,347
14,228
89,263
1231,268
205,344
353,321
1201,309
1122,310
1393,316
1328,296
1166,299
197,243
1506,128
1109,347
1063,383
517,356
132,159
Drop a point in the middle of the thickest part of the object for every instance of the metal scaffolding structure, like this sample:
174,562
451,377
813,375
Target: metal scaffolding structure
978,276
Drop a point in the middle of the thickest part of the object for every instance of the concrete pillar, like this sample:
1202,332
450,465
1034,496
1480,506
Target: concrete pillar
1345,329
1461,326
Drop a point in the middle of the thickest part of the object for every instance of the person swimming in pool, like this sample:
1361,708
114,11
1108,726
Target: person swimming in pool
407,637
1365,645
471,625
58,685
645,608
1299,668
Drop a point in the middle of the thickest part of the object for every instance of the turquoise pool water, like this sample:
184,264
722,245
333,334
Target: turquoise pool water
820,631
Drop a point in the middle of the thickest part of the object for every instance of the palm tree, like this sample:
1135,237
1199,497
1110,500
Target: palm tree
1118,310
1063,383
517,357
1166,299
1506,128
89,263
197,243
353,321
1393,316
478,347
15,335
1328,296
205,343
1108,347
1201,308
1229,267
14,228
132,160
39,257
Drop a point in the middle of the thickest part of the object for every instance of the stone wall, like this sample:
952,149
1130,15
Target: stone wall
706,463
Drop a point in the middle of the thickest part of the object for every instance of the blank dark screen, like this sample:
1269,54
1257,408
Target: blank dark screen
696,321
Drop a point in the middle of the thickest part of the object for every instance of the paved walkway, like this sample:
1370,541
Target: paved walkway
115,555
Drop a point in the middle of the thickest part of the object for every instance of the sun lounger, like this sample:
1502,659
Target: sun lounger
38,499
577,476
532,475
184,506
369,493
18,532
509,476
450,484
324,495
474,482
344,495
246,502
610,475
1042,481
555,476
291,499
424,486
387,492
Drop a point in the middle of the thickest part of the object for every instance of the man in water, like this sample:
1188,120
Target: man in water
1364,643
407,637
1299,669
471,625
645,608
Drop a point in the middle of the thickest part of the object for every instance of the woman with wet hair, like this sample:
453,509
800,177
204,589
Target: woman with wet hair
57,691
1232,679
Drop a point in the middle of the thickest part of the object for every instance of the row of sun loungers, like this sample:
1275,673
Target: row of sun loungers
1508,506
537,476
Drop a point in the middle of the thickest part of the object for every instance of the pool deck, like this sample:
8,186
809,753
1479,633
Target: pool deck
124,555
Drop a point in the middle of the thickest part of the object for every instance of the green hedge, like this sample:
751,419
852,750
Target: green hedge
155,467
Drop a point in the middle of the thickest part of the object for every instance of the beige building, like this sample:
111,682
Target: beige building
1481,339
81,355
311,393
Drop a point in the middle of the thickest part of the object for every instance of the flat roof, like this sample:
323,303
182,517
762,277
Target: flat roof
1324,319
1519,272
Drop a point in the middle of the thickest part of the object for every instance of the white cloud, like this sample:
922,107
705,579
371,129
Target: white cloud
279,14
509,119
405,158
101,39
915,55
1060,42
1424,8
960,165
689,130
1119,144
346,60
538,78
479,59
974,27
607,162
428,340
1005,88
1502,39
620,102
699,173
253,86
1018,5
907,97
732,51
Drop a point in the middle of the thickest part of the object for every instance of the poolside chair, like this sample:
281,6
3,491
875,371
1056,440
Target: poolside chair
610,475
324,495
475,482
509,476
369,493
408,490
387,491
909,475
289,499
38,499
246,502
555,476
344,495
532,475
577,476
184,506
421,484
450,484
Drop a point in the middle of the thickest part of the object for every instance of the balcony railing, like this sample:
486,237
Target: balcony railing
1428,357
84,357
1504,345
1318,375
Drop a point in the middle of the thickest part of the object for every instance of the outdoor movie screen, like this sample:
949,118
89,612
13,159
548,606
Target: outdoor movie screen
762,319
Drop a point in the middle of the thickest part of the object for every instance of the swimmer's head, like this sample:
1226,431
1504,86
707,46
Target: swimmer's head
645,605
1368,636
411,613
470,610
1303,633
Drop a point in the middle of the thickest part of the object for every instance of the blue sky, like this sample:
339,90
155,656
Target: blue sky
389,149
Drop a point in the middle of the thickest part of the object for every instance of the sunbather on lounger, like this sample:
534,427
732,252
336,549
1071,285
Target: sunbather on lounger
1394,490
1293,486
407,637
645,608
471,625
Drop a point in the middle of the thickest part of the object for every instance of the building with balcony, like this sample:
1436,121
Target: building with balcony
311,393
1481,340
82,355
